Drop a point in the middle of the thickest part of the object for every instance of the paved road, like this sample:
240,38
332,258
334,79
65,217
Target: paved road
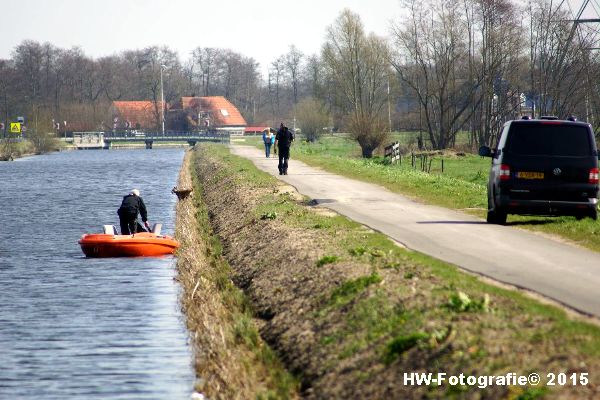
562,272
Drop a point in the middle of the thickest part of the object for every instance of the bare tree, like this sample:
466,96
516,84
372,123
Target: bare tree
359,66
433,60
559,60
7,80
496,60
188,72
28,58
293,63
207,60
274,85
313,73
248,93
110,71
312,118
144,68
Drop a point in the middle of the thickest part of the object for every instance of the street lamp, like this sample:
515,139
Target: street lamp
162,99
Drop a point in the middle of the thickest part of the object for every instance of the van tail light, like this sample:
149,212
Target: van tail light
505,172
593,177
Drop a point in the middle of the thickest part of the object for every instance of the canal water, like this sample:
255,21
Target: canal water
78,328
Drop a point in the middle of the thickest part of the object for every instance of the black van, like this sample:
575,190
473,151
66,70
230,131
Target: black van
543,167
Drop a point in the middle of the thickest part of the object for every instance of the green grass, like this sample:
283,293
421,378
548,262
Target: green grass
400,344
326,260
461,186
461,302
350,240
349,289
410,300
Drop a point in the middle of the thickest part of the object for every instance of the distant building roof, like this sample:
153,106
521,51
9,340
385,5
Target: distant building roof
255,129
220,111
139,114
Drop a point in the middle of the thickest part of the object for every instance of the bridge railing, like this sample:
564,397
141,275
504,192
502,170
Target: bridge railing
132,136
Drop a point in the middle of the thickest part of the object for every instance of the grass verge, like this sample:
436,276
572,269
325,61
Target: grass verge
350,312
461,186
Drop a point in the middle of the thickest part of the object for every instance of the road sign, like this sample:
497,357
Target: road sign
15,127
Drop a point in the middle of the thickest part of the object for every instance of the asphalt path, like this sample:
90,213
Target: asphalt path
562,272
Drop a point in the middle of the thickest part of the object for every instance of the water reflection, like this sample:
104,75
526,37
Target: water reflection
72,327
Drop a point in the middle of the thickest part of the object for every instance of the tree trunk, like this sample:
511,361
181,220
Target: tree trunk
367,151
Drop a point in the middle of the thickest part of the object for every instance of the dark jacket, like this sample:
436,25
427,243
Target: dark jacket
284,138
130,207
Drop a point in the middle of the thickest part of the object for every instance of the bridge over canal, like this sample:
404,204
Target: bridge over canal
105,140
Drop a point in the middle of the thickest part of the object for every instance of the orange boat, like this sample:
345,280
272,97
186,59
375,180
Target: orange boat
143,244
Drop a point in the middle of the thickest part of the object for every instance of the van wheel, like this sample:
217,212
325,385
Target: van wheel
495,215
594,215
501,217
491,217
491,214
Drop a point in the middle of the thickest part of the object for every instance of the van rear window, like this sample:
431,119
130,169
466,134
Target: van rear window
549,139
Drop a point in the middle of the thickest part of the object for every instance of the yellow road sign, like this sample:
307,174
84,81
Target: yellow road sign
15,127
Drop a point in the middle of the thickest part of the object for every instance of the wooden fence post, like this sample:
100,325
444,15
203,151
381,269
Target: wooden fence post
393,152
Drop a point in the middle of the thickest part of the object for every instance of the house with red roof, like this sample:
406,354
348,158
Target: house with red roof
187,114
143,115
212,112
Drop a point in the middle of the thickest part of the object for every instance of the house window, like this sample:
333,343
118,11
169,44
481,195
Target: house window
224,112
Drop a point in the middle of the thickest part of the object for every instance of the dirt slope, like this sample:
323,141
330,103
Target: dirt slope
316,321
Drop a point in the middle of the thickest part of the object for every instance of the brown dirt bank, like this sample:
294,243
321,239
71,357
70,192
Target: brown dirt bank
231,360
350,314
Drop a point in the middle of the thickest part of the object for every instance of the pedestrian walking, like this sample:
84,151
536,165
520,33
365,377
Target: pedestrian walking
268,140
283,142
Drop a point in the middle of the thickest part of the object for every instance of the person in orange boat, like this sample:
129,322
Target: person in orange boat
130,207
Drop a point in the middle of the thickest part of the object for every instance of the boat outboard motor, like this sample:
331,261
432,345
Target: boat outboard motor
109,229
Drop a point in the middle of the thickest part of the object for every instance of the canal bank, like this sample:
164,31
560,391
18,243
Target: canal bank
231,359
349,312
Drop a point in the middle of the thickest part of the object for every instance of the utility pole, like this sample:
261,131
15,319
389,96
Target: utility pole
162,100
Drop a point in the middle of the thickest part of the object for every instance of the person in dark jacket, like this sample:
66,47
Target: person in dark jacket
130,207
283,142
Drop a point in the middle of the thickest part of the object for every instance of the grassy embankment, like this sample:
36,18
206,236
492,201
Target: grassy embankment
9,150
13,148
350,312
461,186
231,360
